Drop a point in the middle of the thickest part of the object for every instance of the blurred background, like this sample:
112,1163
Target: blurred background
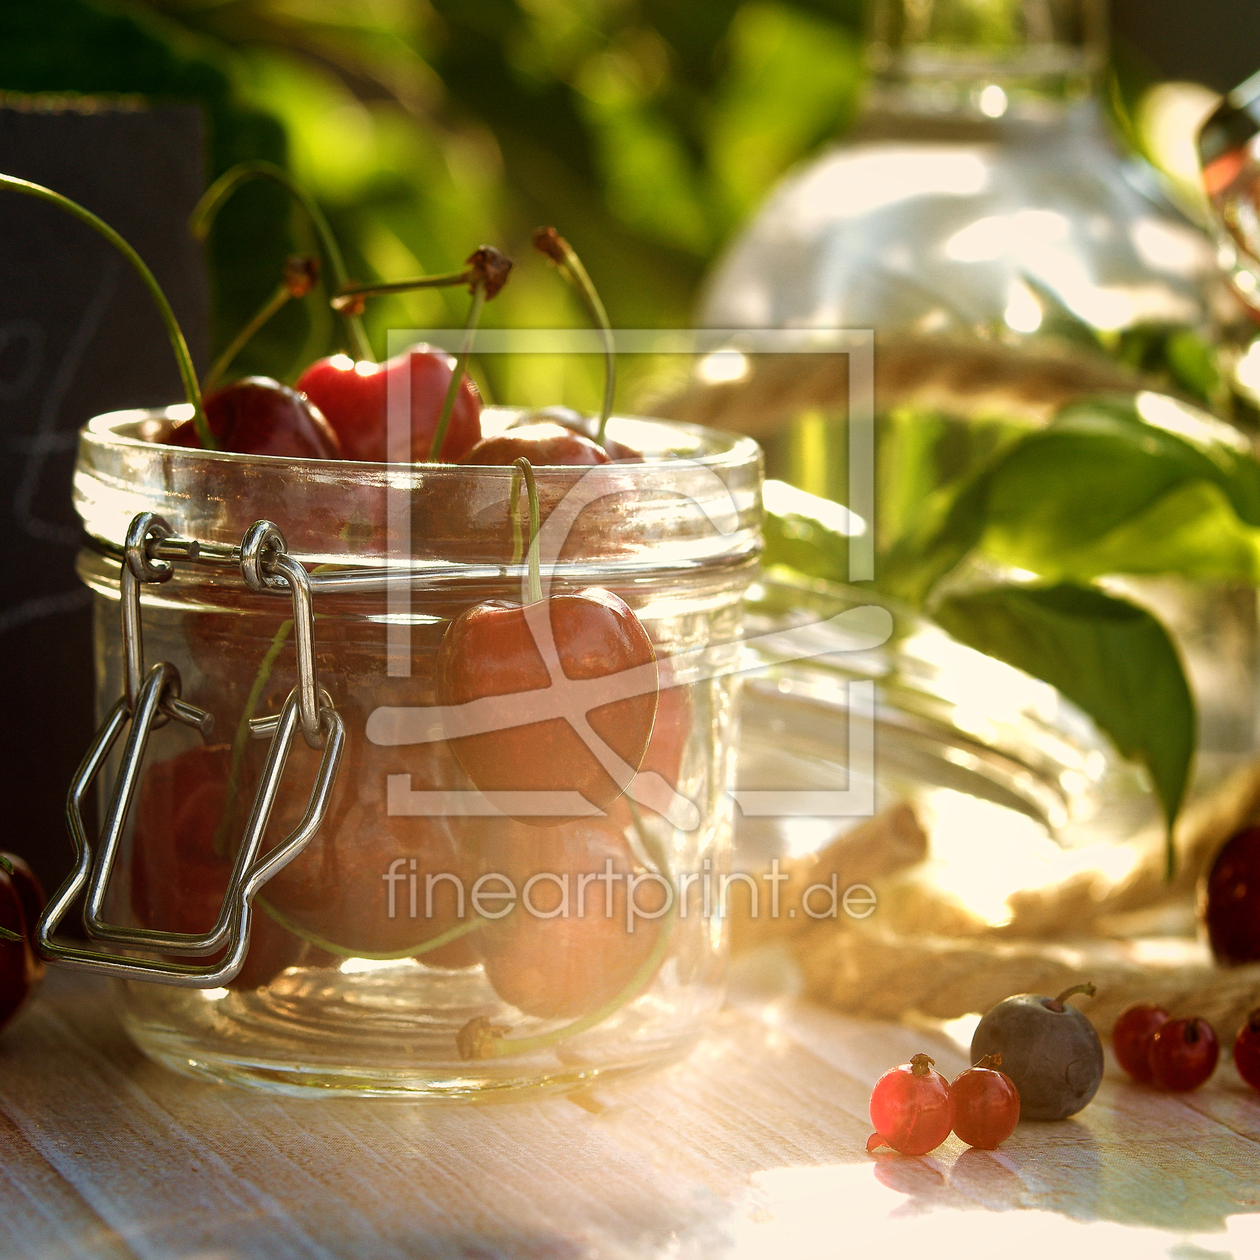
652,134
647,132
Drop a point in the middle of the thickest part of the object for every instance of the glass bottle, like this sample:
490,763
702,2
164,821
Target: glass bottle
981,220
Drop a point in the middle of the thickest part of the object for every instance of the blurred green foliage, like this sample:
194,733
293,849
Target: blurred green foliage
644,130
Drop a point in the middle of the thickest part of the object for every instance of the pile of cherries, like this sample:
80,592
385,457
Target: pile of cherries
1180,1054
331,902
914,1108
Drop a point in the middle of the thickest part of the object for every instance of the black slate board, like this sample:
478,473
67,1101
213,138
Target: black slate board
78,335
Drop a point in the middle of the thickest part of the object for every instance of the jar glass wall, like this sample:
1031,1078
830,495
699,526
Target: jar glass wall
424,944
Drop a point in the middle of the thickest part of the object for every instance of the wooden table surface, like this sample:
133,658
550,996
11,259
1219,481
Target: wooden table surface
752,1147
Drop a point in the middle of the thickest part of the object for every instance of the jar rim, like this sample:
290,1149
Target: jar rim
695,500
728,448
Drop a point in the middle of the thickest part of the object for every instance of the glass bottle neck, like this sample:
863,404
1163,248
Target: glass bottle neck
980,61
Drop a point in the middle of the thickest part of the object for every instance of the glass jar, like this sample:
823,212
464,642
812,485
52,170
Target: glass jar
423,943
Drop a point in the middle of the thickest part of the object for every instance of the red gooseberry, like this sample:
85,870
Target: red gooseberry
912,1108
986,1104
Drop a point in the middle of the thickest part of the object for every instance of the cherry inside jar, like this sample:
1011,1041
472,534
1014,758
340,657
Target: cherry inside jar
425,943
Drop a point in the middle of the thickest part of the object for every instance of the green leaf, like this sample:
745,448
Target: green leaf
951,525
1192,530
1109,657
805,533
1106,490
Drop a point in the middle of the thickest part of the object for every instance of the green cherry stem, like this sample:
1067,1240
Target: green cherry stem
300,274
457,376
413,951
240,741
1088,988
227,183
548,241
526,470
8,936
264,313
349,296
186,371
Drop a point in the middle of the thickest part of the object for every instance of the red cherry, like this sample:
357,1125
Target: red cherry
568,949
1231,901
912,1108
490,650
259,416
1183,1054
1131,1038
355,396
30,893
986,1104
178,879
364,862
541,444
1247,1050
587,426
21,968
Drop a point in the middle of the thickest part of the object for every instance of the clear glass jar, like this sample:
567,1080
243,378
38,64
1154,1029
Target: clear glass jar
364,976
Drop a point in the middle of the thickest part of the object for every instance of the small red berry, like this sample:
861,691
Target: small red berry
1131,1038
1231,900
1247,1050
912,1108
1183,1054
986,1104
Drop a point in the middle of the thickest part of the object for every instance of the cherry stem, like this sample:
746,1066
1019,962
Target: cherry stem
5,865
921,1064
347,295
413,951
300,274
227,183
186,370
237,344
526,470
548,241
8,936
1088,988
240,741
514,512
990,1061
457,374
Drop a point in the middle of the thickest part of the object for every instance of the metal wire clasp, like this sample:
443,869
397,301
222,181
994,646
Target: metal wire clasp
148,701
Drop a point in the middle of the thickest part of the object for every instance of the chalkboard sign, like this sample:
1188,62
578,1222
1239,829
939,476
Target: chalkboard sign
78,336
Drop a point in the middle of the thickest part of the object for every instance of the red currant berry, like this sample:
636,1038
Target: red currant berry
1183,1054
912,1108
1247,1050
1131,1038
986,1104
